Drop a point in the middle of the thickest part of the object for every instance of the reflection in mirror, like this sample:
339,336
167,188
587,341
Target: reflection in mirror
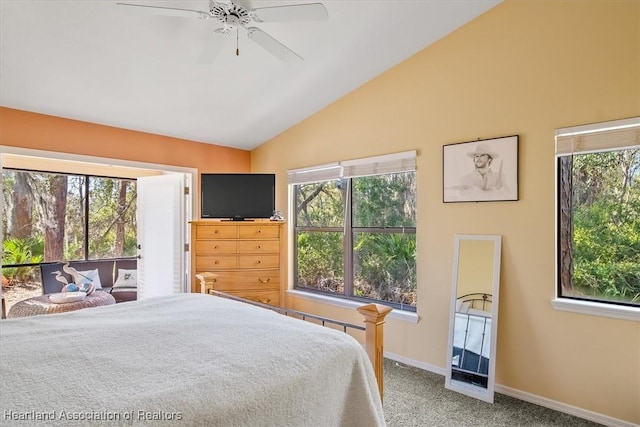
474,315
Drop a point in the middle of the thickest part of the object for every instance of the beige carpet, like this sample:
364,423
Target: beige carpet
414,397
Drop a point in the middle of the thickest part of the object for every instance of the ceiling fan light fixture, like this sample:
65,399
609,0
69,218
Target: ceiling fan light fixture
230,13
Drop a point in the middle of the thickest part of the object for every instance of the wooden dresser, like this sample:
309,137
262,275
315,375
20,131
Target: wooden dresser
248,258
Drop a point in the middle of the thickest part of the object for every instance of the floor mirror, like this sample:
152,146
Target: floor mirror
473,322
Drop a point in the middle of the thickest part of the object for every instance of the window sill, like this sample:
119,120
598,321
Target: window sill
597,309
405,316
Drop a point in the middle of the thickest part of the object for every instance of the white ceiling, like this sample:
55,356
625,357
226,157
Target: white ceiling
94,61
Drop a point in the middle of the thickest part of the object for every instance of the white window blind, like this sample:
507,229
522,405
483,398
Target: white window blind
378,165
596,137
314,174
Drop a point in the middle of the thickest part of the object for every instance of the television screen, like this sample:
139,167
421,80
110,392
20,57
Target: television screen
237,196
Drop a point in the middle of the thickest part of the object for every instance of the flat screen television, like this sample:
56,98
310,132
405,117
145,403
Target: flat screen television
237,196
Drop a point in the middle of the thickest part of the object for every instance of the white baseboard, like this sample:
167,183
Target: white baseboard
563,407
415,363
524,396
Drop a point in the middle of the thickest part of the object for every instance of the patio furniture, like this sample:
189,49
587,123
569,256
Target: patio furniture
42,305
107,270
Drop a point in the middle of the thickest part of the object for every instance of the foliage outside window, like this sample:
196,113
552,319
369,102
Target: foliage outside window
598,211
53,217
355,236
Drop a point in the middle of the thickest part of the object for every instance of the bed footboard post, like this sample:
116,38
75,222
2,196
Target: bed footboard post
374,315
207,280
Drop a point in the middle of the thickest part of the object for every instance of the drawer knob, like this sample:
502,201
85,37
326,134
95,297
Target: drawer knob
216,232
216,262
259,246
259,231
261,280
259,262
216,247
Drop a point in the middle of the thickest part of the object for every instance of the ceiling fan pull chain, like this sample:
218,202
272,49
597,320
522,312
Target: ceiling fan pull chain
237,47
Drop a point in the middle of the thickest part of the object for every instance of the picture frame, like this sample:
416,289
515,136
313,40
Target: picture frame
485,170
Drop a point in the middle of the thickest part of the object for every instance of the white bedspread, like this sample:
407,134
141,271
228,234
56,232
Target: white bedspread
187,359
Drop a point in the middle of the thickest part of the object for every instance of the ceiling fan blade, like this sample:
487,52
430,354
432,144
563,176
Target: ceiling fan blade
272,45
295,12
244,3
168,11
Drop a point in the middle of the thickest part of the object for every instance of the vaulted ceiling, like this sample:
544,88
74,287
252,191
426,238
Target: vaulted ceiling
100,62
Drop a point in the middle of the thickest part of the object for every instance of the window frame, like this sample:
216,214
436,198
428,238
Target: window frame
85,208
347,170
584,139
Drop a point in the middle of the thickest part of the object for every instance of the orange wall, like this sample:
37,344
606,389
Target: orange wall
41,132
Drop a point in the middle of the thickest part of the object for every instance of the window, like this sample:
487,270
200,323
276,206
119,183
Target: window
53,217
355,229
598,213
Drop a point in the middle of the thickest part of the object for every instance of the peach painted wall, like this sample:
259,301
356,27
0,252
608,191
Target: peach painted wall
42,132
526,67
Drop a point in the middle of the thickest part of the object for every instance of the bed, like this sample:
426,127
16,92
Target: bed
472,339
185,359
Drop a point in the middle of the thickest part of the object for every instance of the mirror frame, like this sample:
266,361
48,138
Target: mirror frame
469,389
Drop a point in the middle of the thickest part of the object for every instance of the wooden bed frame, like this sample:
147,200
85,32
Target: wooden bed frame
374,317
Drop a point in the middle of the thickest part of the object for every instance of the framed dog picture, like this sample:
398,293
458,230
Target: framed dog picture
481,171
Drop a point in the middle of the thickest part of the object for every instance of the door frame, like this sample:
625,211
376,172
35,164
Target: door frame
125,169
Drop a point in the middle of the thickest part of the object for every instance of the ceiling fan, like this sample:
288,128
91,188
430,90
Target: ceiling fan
234,14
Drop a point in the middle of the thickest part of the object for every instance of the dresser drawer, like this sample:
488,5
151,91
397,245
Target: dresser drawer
249,279
259,261
216,246
216,232
215,262
258,246
264,297
259,232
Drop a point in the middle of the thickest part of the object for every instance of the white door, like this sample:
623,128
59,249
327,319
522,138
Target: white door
161,235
